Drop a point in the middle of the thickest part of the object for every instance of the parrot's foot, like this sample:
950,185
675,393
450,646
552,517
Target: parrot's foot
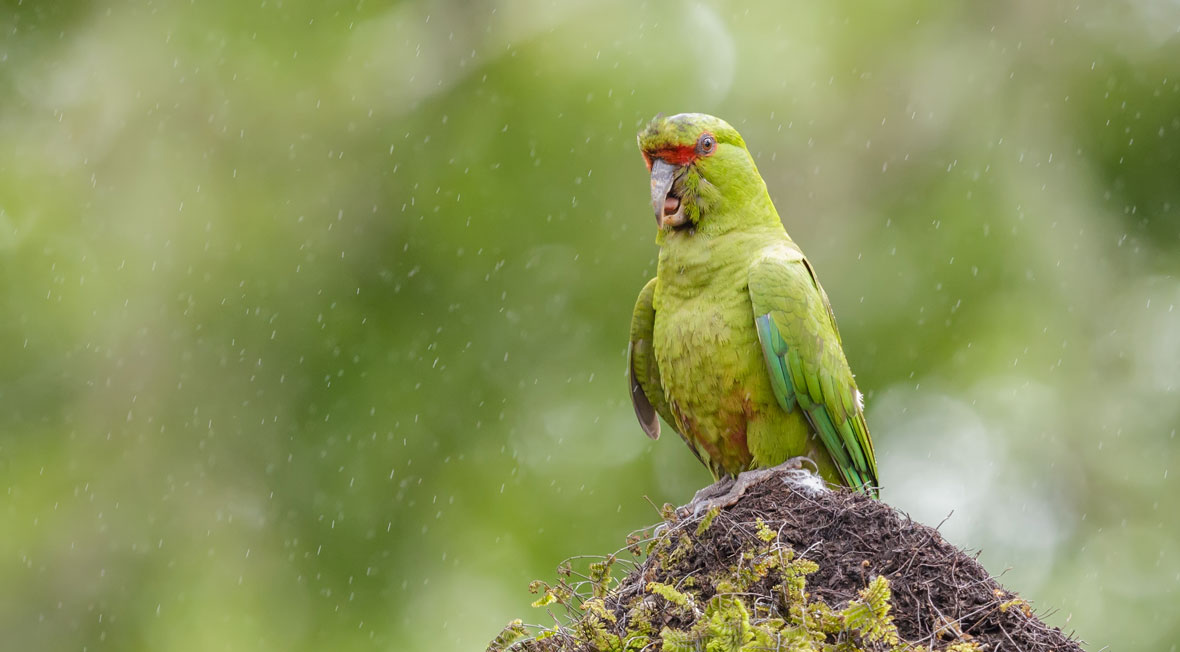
727,491
719,488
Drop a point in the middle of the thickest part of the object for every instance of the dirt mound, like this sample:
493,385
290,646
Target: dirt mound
789,566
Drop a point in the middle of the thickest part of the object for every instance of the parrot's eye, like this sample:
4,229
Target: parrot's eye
706,144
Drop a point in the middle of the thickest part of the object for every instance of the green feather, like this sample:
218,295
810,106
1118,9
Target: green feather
773,349
790,306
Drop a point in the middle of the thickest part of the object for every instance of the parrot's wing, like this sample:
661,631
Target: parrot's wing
647,392
806,363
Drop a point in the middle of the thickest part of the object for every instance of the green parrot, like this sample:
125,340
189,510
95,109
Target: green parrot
734,342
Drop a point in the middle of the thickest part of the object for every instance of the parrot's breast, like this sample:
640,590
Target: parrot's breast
710,361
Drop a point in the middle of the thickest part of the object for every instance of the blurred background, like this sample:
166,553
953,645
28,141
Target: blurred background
315,313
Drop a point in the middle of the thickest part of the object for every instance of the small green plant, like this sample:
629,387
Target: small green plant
707,521
869,614
512,632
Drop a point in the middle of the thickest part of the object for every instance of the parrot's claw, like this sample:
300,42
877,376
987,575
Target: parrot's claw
719,488
727,491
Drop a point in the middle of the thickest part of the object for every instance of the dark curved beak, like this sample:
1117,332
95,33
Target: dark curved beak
663,174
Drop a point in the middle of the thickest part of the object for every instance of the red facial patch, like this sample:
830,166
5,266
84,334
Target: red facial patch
682,155
676,154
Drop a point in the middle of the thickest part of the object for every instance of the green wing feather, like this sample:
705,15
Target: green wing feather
647,392
806,363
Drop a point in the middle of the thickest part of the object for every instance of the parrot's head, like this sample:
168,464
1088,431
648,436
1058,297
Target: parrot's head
700,172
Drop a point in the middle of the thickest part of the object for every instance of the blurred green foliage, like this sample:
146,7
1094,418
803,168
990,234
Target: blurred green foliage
314,314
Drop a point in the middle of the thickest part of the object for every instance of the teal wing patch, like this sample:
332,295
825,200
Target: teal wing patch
774,351
806,363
